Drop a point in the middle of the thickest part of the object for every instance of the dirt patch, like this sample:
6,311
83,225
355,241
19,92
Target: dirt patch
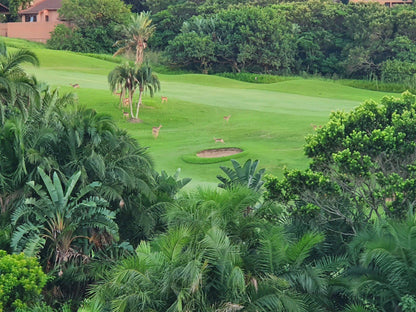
219,152
135,120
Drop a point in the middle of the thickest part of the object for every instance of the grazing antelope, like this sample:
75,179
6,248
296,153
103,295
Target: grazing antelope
219,140
155,131
117,93
226,118
75,85
126,115
164,99
126,102
315,126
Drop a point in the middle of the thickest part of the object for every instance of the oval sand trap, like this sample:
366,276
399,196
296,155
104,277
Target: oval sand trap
219,152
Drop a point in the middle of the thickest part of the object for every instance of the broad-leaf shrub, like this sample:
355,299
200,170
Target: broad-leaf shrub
21,281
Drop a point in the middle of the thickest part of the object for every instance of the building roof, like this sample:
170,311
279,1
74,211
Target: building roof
52,5
3,9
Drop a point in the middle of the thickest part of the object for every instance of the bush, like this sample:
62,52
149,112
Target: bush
97,40
399,72
21,281
375,85
256,78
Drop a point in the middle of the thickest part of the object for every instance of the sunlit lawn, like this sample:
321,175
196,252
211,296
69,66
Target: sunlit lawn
269,121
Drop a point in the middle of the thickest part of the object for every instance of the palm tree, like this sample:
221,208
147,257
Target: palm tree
136,34
57,223
124,76
17,89
146,80
129,78
385,269
92,143
27,144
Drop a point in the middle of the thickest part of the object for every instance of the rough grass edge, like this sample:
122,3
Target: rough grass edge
376,85
193,159
256,78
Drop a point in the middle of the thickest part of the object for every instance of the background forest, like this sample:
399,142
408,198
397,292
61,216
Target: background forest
365,40
87,224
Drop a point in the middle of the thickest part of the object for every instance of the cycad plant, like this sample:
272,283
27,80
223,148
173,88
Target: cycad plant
17,89
242,175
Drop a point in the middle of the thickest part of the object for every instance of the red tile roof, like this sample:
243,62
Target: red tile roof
52,5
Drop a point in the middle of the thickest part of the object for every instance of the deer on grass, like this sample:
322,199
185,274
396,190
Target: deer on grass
315,126
155,131
164,99
126,115
126,102
226,118
75,85
219,140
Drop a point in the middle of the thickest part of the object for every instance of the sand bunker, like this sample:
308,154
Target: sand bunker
219,152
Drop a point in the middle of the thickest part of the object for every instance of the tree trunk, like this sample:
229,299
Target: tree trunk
141,45
139,103
131,102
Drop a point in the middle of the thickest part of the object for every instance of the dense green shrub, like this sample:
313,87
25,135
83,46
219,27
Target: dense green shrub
99,39
21,281
93,25
255,78
399,72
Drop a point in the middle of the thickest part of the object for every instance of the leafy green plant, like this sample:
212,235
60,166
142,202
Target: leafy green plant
21,281
255,78
245,175
56,221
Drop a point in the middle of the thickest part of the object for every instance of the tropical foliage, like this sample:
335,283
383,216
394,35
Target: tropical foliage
82,196
136,34
130,78
245,175
59,223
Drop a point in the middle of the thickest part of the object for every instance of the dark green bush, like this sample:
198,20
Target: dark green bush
255,78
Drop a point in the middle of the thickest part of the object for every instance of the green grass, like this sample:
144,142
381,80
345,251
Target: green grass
269,121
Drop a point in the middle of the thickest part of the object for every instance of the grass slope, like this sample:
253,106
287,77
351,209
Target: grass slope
269,121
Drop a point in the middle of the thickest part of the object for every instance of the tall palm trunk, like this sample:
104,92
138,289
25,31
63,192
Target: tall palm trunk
139,103
141,45
131,91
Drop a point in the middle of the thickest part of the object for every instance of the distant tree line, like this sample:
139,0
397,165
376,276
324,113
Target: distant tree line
365,40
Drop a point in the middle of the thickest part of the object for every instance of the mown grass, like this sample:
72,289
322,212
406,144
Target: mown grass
270,121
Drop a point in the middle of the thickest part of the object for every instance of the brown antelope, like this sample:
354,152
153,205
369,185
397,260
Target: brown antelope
155,131
226,118
219,140
315,126
75,85
126,102
164,99
126,115
117,93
